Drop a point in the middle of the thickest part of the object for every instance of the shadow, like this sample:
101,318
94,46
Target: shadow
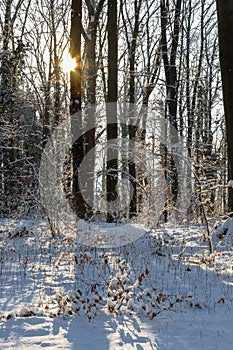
202,320
23,333
82,334
131,332
107,332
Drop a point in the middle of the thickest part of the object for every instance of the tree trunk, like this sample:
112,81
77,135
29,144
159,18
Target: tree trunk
133,129
57,83
89,142
225,29
75,103
170,69
7,109
112,154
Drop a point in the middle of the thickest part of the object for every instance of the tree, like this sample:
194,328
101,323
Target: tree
90,70
83,90
76,102
112,155
151,54
133,128
225,30
13,103
170,68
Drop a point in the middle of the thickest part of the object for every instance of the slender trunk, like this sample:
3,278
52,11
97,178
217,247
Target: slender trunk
6,108
75,103
169,62
112,154
57,86
132,100
89,139
225,20
192,113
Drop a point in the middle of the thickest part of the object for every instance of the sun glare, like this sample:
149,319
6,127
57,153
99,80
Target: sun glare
68,64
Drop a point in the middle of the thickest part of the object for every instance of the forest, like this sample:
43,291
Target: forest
155,58
116,166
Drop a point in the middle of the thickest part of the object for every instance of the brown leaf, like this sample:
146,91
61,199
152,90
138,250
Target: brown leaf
140,279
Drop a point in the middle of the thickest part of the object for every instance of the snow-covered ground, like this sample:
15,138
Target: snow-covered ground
189,331
163,291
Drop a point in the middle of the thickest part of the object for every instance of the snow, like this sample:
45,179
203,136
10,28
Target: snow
230,183
164,291
227,227
170,332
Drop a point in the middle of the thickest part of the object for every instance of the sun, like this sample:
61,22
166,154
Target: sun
68,64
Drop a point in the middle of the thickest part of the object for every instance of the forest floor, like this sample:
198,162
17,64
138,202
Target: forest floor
163,291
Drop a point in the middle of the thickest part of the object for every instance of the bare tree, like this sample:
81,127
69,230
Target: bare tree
225,17
76,102
112,132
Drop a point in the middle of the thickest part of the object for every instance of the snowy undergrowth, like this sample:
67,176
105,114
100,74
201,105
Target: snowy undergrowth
167,269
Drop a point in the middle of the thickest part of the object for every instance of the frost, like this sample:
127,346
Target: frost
225,230
118,276
114,282
136,284
130,284
110,304
124,279
130,304
146,292
4,54
122,263
230,183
